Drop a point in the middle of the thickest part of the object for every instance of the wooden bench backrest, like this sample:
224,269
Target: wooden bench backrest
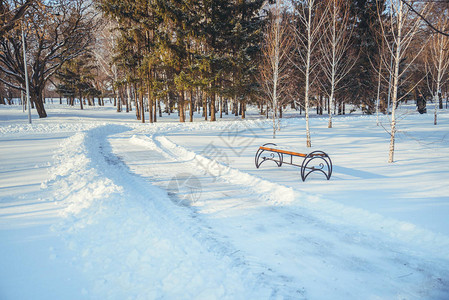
283,151
287,152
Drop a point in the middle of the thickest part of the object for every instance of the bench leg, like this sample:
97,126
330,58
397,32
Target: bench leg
316,161
259,159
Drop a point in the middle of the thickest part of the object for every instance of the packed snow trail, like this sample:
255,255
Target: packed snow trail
133,242
293,250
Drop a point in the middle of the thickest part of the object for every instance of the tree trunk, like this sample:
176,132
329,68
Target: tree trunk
137,94
204,107
236,106
168,106
437,101
119,102
159,107
212,107
150,104
321,105
142,109
128,94
307,77
182,116
191,106
395,88
39,106
221,107
81,102
154,110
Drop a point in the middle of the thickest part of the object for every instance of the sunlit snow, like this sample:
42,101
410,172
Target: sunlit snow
95,205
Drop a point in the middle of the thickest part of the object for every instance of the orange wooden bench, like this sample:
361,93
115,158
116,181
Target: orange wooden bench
316,161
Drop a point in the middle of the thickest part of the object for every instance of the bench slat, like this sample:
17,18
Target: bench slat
282,151
288,152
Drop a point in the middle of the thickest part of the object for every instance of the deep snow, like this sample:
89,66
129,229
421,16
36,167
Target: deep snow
94,205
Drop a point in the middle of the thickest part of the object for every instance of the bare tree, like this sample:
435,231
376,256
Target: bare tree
334,45
11,13
274,69
54,35
423,17
104,51
437,56
310,16
402,27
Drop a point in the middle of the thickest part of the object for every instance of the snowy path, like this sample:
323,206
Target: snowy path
290,249
133,242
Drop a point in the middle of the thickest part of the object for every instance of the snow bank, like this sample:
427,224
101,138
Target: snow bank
45,128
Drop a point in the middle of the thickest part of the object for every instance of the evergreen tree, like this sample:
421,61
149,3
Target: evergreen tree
360,86
187,47
245,40
76,79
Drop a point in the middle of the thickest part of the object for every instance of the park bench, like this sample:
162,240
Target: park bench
316,161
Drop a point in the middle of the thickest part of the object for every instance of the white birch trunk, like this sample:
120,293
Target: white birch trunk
276,67
334,58
439,78
307,73
128,90
436,100
397,59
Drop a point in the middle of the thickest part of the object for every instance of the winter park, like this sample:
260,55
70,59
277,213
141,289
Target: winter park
224,149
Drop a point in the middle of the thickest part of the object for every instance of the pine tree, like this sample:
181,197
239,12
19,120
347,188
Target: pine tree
246,36
188,47
361,82
76,79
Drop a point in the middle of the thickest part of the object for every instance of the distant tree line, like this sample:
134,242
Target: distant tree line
218,56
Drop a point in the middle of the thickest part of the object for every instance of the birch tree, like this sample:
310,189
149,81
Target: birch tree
310,16
437,57
274,69
402,27
105,44
334,45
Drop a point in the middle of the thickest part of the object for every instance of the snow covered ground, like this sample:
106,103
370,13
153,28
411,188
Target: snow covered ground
94,205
